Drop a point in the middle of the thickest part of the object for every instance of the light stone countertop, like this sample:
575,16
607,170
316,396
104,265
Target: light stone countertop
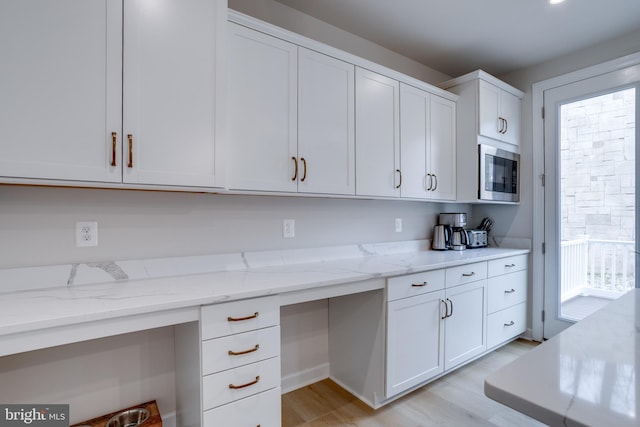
40,298
585,376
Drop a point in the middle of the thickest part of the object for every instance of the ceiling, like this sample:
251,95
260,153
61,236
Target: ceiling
499,36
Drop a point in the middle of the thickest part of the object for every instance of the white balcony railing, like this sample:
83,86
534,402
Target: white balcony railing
604,268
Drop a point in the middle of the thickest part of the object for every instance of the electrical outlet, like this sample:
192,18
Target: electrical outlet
288,228
398,225
86,233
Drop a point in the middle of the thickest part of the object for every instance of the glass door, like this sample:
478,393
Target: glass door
590,195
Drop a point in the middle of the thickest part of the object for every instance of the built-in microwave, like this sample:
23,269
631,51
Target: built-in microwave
499,174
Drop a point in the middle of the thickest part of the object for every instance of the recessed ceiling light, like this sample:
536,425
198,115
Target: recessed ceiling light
555,1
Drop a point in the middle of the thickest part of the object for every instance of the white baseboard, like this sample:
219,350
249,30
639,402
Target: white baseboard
304,378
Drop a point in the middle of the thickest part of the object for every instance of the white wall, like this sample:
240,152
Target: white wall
298,22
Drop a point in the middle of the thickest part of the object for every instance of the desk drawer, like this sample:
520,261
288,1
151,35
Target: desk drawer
506,324
507,265
507,290
262,410
219,320
240,349
238,383
465,274
414,284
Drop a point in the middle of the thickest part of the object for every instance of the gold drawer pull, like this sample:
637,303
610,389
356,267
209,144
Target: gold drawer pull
510,323
510,292
236,387
240,319
240,353
419,285
473,273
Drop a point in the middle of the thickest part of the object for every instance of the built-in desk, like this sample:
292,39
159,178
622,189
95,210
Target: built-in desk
50,306
585,376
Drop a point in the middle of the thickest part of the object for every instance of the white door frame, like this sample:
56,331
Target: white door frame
537,103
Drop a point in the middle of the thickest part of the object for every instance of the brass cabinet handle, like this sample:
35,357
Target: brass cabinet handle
240,353
419,285
446,309
295,171
473,273
510,323
509,291
240,319
114,139
130,138
304,173
400,183
236,387
447,313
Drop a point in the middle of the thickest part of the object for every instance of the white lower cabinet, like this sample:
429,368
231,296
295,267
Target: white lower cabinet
241,363
415,339
259,410
507,305
465,323
383,344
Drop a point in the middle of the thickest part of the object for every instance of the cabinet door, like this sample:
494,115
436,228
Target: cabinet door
415,342
326,136
465,328
60,89
415,108
262,111
510,112
169,92
441,158
489,101
377,135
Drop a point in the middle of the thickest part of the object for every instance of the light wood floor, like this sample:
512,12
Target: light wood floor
457,399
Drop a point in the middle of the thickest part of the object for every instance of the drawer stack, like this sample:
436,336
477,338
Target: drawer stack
507,299
241,363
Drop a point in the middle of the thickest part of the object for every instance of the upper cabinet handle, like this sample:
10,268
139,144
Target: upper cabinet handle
506,126
400,183
114,139
295,171
304,173
130,138
435,187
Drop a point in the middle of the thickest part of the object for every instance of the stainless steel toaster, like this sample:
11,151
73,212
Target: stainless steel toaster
476,238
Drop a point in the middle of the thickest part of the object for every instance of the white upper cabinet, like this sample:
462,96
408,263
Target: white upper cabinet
170,92
499,113
377,135
60,89
427,132
262,112
488,112
62,106
326,136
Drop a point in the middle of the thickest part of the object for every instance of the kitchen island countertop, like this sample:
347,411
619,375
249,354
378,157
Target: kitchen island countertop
585,376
